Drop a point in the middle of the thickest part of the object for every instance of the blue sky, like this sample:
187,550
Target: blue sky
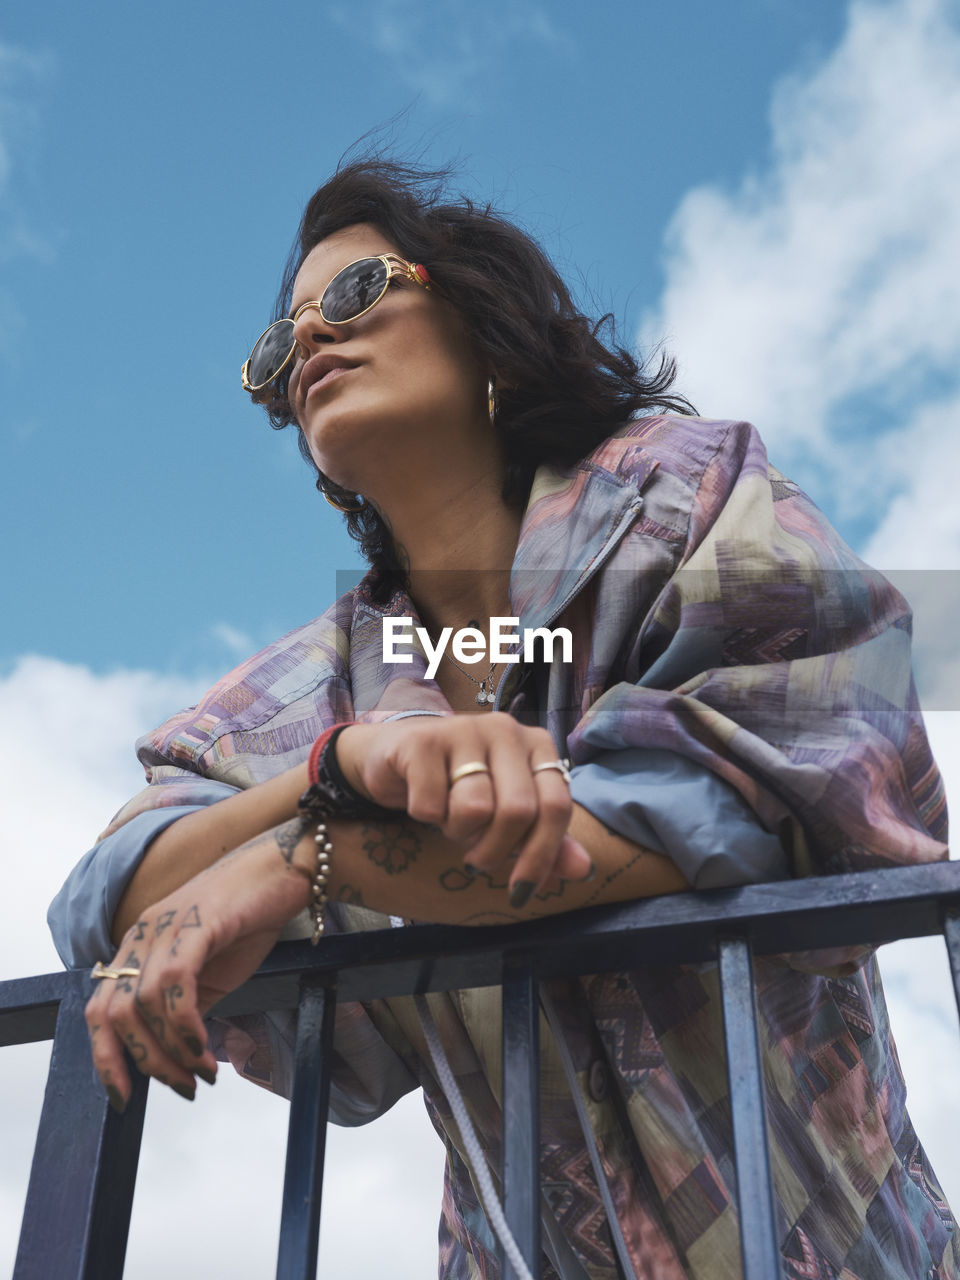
155,172
769,185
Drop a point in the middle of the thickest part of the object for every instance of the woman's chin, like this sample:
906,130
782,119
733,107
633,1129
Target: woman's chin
343,456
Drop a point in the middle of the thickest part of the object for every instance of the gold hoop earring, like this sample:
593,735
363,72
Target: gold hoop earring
346,508
492,403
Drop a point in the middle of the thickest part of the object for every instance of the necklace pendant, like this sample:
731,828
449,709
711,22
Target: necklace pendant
483,696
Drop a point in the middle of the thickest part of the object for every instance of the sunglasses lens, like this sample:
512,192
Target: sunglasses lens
353,290
272,349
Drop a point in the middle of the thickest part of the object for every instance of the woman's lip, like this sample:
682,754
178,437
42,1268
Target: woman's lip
328,377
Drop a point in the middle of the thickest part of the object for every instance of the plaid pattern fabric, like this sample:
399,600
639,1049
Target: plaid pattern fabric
716,614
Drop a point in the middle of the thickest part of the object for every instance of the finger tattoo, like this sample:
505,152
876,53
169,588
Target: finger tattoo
138,1050
165,921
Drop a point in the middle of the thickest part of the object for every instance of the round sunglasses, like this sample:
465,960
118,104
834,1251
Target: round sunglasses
350,294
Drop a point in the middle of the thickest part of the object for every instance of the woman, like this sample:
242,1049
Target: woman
737,704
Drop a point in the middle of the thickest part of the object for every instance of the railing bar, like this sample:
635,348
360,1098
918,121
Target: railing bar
951,935
521,1113
306,1137
758,1233
115,1184
77,1213
814,912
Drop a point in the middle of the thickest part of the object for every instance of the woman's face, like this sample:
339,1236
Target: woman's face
402,377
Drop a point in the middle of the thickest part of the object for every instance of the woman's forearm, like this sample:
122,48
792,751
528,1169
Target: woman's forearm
404,868
400,868
193,843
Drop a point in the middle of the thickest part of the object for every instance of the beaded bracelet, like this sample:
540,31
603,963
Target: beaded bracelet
330,795
318,886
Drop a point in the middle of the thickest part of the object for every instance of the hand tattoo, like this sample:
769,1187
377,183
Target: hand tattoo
165,921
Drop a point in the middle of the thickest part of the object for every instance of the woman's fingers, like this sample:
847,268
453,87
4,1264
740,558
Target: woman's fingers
425,762
527,793
107,1050
153,1015
573,861
166,1000
537,857
481,780
119,1033
515,804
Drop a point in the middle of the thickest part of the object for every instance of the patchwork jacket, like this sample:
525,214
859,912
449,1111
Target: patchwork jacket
716,615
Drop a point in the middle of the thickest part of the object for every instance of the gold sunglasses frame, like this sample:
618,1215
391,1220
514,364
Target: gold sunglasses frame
397,268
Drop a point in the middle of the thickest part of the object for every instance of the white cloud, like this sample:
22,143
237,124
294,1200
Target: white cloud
820,296
237,642
67,765
450,52
22,72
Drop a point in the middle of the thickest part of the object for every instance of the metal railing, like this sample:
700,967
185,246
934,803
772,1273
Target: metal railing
74,1230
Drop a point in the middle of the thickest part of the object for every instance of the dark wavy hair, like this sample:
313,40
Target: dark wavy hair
561,390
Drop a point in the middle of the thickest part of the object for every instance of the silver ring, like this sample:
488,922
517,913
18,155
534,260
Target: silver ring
562,767
466,770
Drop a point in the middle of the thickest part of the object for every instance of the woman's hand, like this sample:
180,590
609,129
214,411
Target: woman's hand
511,810
191,949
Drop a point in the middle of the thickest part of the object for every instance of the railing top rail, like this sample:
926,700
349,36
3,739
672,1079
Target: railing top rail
783,916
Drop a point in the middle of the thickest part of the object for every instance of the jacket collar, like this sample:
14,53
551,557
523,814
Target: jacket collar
574,519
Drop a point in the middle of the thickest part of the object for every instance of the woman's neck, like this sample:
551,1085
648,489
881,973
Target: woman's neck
459,572
454,534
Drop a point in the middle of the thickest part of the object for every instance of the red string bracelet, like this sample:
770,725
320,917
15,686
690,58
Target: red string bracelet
316,750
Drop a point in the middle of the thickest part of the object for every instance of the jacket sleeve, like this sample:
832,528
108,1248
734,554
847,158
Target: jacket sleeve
776,659
368,1076
81,914
677,808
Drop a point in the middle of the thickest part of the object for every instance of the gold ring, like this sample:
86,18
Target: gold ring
100,971
562,767
465,770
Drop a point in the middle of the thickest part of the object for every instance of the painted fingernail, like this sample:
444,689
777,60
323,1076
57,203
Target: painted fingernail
521,893
194,1045
185,1091
592,874
206,1075
116,1099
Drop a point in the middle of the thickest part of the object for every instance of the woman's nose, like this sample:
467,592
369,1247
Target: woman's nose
311,331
